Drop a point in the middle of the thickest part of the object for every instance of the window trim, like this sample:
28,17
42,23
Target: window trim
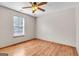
23,34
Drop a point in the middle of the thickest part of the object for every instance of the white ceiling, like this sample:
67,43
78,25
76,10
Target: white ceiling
49,7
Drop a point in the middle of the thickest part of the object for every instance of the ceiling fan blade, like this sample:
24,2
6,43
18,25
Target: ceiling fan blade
41,9
27,7
33,11
30,3
42,3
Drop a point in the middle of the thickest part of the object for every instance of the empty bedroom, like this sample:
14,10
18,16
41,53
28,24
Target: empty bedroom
39,28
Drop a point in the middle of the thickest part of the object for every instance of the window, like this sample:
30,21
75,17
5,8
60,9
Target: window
18,25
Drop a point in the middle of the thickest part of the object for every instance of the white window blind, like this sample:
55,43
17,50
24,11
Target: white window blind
18,24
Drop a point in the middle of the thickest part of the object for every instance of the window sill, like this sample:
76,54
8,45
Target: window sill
18,36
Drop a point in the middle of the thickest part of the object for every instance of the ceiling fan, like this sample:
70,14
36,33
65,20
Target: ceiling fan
36,6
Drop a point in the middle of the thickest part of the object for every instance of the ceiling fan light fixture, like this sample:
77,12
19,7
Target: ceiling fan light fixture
36,6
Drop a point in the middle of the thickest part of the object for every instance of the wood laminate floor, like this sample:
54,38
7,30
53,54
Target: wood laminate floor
38,47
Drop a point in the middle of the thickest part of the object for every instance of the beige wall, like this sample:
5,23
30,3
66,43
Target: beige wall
57,26
6,27
77,28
